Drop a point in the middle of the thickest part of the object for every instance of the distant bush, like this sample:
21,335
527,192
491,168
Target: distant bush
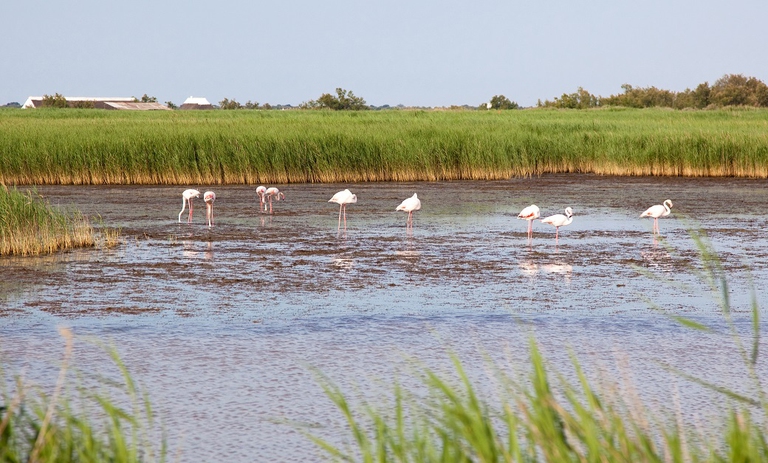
344,100
729,90
86,104
55,101
499,102
580,99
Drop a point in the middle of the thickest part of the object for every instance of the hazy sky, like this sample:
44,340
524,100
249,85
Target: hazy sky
411,52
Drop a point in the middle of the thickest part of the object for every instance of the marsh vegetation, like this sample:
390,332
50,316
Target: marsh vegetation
69,146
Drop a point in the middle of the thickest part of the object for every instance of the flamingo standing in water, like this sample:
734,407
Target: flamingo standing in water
659,210
530,214
409,205
342,198
269,193
186,197
209,197
559,220
260,191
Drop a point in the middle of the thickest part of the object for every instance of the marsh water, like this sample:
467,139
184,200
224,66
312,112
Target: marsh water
224,326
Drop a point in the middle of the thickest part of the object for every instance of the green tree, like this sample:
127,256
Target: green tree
145,99
343,100
249,105
86,104
226,103
502,102
171,105
55,101
580,99
738,90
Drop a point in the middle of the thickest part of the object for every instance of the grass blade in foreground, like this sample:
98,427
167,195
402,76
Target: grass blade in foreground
35,427
562,421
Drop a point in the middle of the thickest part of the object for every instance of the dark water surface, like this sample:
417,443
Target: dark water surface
222,325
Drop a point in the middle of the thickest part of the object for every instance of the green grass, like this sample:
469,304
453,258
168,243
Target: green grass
247,147
538,418
31,226
74,423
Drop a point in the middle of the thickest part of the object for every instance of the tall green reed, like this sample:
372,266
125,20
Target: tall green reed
29,225
247,147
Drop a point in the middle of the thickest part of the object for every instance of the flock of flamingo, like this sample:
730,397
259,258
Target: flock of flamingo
410,205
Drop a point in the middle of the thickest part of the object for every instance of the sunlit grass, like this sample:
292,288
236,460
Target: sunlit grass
543,416
31,226
74,423
248,147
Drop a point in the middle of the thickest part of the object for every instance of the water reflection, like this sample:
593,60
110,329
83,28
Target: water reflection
343,263
190,250
528,268
658,258
531,269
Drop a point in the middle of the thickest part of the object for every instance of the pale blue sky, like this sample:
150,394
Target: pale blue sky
411,52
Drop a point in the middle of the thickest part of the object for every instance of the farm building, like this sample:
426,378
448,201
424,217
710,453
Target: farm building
125,103
196,103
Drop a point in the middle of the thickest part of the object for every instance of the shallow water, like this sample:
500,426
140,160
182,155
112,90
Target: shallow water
222,324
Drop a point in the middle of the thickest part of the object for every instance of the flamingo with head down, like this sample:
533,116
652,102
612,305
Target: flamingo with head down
209,197
530,214
269,193
186,198
260,191
410,205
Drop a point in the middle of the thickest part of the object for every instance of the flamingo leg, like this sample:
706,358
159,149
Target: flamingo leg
270,204
345,217
189,220
341,206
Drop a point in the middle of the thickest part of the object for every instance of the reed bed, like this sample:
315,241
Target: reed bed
31,226
73,146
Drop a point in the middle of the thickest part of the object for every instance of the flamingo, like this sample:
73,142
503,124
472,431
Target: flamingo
342,198
659,210
209,197
260,191
269,193
409,205
186,197
559,220
530,214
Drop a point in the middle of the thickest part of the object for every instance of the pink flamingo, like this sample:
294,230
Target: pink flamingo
409,205
272,191
342,198
186,197
559,220
260,191
530,214
209,197
659,210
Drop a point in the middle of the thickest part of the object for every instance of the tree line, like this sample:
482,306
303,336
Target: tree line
729,90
